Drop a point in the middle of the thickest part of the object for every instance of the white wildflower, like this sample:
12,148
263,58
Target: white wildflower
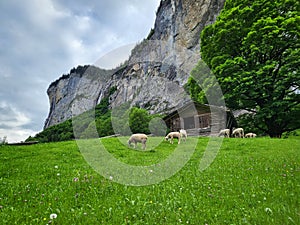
268,210
53,216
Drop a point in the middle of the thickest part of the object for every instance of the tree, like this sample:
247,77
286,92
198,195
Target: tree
203,86
3,140
104,126
139,120
253,50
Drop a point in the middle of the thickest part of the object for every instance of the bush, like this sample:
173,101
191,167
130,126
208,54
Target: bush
139,120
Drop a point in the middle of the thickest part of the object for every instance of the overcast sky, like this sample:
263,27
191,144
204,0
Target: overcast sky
42,39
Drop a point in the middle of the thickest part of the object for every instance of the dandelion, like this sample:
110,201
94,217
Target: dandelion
53,216
268,210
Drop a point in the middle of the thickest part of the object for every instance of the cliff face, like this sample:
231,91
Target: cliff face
85,84
156,71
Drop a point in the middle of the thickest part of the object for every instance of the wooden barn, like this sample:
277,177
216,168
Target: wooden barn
200,119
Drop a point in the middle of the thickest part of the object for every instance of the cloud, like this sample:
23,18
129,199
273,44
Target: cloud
11,117
13,123
16,134
41,40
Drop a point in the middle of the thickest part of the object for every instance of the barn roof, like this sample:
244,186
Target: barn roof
205,108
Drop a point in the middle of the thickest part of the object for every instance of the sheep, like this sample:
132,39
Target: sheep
250,135
183,133
138,138
172,135
238,132
224,133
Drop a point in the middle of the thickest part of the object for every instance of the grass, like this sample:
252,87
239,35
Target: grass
251,181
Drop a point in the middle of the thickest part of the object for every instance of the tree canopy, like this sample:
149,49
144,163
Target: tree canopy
253,50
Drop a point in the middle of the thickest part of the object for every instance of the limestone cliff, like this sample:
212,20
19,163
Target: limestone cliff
156,70
85,84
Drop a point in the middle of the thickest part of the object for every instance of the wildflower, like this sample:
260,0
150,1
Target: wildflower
268,210
58,174
76,179
1,207
53,216
56,167
110,177
151,171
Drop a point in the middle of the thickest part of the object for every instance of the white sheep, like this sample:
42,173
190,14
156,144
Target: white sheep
224,133
238,132
250,135
173,135
183,133
138,138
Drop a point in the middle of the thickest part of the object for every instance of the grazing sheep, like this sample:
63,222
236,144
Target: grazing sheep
224,133
238,132
250,135
183,133
172,135
138,138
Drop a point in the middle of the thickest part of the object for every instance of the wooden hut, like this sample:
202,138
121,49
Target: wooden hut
200,119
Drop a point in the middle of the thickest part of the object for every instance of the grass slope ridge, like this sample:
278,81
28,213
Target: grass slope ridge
251,181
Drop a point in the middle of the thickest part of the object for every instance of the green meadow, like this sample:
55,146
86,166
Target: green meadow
251,181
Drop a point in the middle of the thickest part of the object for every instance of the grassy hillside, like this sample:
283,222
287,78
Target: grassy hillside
251,181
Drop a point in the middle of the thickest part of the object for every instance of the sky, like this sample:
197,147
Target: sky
40,40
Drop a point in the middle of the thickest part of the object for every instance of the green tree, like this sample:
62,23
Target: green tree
139,120
253,50
203,86
104,126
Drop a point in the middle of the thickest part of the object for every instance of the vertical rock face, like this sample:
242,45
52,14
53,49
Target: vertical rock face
156,71
85,84
160,65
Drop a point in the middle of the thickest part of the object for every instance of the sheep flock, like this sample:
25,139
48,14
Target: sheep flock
182,135
236,133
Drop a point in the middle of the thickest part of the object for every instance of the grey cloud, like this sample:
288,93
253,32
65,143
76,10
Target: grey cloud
41,40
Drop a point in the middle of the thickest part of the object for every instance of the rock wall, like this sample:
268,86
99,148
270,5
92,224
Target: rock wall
85,84
156,71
